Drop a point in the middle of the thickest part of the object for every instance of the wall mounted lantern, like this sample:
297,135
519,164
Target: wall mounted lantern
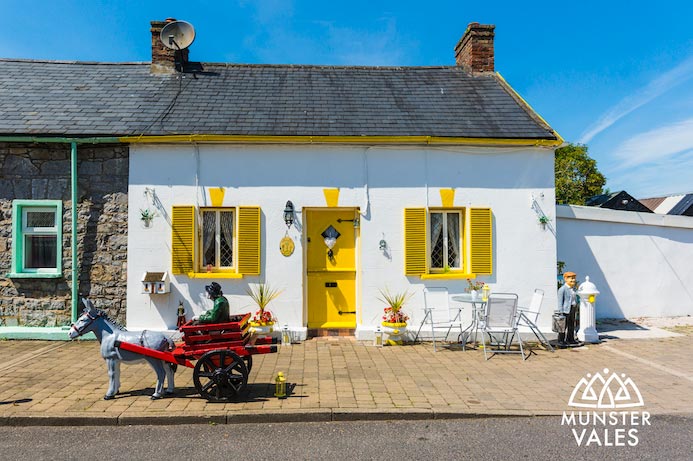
289,214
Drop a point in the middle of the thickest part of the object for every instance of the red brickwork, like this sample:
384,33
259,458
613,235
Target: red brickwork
163,58
474,51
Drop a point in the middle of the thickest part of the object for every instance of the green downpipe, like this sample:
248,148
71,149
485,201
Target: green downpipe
73,244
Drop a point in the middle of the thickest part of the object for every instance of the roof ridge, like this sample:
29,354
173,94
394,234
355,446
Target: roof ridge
234,64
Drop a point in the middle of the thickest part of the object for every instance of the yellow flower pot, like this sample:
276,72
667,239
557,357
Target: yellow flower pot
395,331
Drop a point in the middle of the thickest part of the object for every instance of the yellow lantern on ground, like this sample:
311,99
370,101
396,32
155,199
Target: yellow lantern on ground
280,386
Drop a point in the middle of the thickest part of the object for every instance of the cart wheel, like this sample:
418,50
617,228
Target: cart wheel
220,375
248,362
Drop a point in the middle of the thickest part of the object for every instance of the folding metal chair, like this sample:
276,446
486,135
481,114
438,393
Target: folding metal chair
499,322
529,316
438,313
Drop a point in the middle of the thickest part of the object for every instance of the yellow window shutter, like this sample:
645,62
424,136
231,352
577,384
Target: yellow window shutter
414,241
249,240
481,236
182,239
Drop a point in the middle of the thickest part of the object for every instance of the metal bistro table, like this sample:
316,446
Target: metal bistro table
478,306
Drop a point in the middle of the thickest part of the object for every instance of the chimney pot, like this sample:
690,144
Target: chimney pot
474,52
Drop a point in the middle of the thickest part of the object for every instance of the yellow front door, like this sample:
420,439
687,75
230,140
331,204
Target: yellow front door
331,272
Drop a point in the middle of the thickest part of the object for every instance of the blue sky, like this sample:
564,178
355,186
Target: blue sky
617,75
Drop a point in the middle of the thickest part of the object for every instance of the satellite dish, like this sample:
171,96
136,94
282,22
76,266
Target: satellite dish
177,35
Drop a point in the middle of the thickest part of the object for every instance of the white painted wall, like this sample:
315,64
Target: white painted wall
396,177
640,262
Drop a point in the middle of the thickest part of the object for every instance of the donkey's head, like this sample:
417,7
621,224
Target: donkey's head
85,322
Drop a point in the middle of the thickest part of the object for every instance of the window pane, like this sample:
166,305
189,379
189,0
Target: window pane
226,239
437,256
453,239
209,244
40,251
40,219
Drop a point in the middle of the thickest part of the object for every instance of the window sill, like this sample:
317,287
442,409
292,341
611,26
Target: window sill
34,275
214,275
448,275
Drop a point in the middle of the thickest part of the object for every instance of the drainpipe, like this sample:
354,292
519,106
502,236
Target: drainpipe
73,173
73,244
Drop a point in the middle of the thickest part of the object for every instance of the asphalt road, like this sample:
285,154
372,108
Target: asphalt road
667,438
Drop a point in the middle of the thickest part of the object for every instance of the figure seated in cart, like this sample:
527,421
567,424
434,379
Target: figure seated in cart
220,312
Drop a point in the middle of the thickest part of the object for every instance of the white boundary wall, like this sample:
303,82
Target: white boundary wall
381,181
642,263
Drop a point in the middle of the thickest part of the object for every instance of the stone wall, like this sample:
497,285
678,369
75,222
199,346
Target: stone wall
42,171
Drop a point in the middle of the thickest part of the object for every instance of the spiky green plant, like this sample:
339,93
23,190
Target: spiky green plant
262,295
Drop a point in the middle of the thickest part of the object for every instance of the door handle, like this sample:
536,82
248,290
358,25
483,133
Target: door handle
330,284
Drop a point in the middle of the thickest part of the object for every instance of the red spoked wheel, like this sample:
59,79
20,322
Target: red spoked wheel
220,375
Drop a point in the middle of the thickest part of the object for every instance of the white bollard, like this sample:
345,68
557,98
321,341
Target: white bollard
588,295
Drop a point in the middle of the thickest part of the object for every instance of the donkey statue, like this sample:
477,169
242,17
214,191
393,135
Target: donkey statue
108,332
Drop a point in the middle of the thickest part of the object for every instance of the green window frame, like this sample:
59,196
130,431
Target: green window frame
37,235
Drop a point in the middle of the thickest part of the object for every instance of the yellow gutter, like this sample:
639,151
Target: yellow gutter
512,90
395,140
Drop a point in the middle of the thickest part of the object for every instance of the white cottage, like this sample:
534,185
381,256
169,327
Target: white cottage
398,178
391,178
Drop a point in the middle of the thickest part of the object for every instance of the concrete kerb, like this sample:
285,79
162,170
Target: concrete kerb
250,417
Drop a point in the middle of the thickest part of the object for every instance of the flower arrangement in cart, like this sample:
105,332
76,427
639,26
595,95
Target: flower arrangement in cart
262,294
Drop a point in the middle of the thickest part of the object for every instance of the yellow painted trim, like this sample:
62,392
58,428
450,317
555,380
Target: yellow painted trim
510,88
214,275
447,275
395,140
331,197
216,195
447,197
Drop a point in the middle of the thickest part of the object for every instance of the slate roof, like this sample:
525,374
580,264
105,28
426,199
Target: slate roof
619,200
52,98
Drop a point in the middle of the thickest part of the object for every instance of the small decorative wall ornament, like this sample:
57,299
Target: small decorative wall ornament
286,246
147,216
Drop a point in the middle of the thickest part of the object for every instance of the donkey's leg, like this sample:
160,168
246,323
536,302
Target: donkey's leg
169,378
113,378
158,367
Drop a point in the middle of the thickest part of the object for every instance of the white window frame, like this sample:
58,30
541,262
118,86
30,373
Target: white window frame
445,211
217,267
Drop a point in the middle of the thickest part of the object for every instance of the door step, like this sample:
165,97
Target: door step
318,332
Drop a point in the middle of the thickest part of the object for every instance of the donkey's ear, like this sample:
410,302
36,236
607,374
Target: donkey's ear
87,304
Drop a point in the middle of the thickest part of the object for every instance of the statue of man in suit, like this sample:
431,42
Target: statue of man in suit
568,305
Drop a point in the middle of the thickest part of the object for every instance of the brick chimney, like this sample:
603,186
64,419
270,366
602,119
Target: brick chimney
163,59
474,51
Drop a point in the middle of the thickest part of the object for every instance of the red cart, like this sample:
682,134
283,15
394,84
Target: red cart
223,352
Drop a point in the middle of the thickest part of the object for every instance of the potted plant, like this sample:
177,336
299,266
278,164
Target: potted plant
474,288
262,295
147,215
394,320
543,221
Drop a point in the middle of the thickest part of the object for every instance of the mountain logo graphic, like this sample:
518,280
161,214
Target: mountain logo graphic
606,391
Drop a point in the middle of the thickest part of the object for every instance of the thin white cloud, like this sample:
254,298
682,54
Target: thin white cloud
656,145
652,90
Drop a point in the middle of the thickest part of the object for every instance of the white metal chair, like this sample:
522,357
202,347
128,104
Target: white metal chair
529,316
499,322
438,313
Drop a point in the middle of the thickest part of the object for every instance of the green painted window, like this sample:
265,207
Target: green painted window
37,238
